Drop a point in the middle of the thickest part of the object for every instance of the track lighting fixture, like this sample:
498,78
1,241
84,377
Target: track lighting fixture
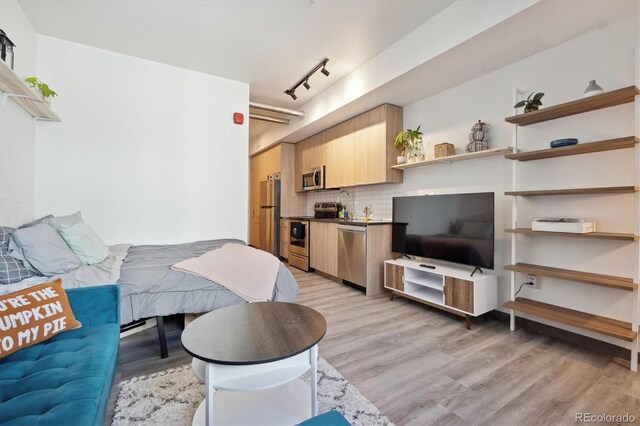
322,66
292,93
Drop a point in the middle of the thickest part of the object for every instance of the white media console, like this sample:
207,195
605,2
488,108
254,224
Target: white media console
445,287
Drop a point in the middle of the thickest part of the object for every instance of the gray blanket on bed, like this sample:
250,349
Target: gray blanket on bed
146,272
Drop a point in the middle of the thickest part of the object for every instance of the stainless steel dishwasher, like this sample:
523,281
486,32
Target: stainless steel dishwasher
352,254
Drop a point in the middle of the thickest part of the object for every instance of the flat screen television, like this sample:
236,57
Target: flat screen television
451,227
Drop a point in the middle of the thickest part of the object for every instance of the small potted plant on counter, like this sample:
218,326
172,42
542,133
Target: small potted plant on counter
409,142
47,93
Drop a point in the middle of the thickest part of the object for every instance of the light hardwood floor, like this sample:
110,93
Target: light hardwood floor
420,366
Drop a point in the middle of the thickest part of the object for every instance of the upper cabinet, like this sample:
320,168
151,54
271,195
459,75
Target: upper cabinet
358,151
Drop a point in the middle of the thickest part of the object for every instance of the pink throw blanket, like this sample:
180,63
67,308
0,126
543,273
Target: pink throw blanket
248,272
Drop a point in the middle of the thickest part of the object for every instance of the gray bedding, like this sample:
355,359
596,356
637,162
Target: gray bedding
149,287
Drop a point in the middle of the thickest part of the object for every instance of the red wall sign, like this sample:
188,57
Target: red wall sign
238,118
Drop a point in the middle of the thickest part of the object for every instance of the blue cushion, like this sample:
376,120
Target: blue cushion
330,418
66,379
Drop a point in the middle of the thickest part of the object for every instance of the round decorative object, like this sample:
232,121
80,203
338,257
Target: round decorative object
563,142
478,138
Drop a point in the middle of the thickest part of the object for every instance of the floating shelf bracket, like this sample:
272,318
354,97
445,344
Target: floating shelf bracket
6,95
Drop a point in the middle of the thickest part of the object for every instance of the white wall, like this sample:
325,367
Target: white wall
17,133
606,55
147,151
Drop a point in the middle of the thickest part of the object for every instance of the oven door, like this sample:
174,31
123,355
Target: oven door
298,238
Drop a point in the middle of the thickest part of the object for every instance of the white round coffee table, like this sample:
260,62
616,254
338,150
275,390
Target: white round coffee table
251,358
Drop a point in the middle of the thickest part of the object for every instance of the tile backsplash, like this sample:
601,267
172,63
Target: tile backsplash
379,196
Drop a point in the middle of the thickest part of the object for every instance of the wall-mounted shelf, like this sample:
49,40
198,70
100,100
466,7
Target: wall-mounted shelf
14,87
593,103
620,283
596,235
453,158
584,148
576,191
603,325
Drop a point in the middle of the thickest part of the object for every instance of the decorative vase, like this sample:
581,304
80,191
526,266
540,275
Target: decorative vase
592,89
478,138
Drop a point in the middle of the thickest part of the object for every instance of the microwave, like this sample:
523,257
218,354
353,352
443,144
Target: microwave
313,179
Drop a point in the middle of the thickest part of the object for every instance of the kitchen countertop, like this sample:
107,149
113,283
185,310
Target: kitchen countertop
356,222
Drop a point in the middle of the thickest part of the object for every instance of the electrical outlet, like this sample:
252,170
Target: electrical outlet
535,279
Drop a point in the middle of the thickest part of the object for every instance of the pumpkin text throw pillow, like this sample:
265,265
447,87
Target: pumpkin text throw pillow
33,315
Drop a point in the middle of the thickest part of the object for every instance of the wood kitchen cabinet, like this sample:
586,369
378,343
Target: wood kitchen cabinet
358,151
285,237
278,159
340,152
374,152
323,245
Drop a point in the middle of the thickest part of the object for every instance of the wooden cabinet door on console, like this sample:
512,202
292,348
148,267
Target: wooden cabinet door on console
458,294
395,276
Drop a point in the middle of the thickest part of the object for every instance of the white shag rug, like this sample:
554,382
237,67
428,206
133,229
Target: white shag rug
171,397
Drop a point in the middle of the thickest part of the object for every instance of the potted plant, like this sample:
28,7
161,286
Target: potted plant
530,104
43,88
408,141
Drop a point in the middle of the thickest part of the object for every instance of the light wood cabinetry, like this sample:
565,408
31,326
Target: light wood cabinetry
358,151
340,140
374,152
285,237
395,276
444,287
278,159
323,247
458,293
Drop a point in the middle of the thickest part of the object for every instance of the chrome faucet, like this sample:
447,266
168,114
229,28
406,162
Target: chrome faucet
348,206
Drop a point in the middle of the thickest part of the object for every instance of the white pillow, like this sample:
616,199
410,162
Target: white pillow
84,242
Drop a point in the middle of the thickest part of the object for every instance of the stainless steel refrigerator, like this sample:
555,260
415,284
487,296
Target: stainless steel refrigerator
270,214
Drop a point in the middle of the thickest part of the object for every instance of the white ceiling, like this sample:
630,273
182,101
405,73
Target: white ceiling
269,44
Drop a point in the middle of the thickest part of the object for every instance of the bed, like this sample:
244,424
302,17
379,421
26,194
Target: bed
150,288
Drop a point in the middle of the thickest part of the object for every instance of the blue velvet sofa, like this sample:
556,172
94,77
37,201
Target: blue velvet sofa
67,379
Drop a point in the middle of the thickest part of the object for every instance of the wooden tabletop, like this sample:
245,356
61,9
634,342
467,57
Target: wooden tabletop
254,333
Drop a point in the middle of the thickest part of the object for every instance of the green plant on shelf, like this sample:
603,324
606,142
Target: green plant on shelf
47,92
530,104
408,140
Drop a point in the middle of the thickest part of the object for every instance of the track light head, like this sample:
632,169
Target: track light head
325,71
306,84
291,93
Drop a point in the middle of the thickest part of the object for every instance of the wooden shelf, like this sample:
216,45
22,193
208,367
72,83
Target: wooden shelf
13,86
620,283
579,106
577,191
603,325
596,235
585,148
453,158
